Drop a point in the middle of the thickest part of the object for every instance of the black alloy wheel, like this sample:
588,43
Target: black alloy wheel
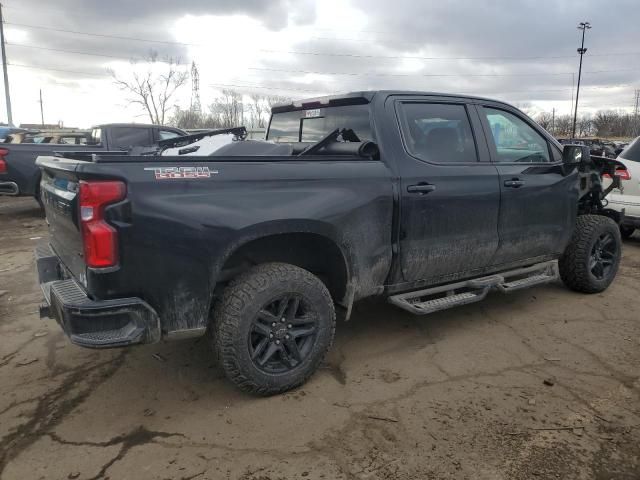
282,334
603,256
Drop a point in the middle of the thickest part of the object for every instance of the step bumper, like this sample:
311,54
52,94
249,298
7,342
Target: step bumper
92,323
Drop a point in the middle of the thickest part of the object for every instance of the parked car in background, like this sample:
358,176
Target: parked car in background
77,137
627,197
619,147
19,175
6,131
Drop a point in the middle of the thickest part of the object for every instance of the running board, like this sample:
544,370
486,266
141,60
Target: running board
432,300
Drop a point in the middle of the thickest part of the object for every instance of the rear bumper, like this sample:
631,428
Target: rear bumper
92,323
9,188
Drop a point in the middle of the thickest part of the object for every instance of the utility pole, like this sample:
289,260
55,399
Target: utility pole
7,95
573,86
41,109
584,26
636,123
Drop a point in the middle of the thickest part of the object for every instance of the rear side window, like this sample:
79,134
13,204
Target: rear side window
632,152
125,137
515,140
438,132
314,124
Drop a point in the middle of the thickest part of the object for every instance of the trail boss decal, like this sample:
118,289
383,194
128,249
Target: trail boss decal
169,173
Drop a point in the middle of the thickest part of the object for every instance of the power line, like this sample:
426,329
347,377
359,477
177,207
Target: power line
297,89
375,74
294,52
76,52
366,74
102,35
307,71
263,87
57,70
283,89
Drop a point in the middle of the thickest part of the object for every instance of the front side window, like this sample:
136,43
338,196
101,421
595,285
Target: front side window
515,140
438,132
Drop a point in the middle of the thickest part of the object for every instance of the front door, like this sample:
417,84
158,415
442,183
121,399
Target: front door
450,192
538,199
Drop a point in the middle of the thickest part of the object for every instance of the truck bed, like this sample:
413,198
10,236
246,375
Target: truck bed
182,217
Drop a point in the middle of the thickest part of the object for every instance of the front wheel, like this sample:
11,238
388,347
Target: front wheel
591,260
273,327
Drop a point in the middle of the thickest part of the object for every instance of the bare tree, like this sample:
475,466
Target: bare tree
272,100
228,109
258,109
563,125
526,107
545,120
154,88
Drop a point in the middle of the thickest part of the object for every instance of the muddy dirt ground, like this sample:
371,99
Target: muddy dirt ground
460,394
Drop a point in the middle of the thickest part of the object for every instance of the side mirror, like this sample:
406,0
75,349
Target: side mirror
575,154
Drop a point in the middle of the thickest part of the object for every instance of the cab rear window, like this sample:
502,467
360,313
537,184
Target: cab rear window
313,124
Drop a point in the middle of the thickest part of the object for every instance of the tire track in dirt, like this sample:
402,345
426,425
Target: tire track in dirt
52,407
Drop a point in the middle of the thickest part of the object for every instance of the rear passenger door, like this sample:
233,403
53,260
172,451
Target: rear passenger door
449,190
538,200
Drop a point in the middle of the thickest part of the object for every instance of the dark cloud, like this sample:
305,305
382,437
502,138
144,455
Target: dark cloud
527,36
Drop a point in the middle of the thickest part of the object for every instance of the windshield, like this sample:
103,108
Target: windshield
314,124
632,152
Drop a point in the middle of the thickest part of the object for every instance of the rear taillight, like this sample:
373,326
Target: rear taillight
100,239
3,162
624,174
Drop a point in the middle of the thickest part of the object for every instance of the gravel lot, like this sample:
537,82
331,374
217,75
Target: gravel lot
544,383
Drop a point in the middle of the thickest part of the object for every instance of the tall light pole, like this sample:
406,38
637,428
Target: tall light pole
584,26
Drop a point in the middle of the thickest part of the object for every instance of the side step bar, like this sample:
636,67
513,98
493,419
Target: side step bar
430,300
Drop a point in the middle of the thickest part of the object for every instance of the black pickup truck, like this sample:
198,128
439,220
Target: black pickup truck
19,175
429,200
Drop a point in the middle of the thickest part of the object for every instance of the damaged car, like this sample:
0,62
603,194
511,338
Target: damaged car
427,200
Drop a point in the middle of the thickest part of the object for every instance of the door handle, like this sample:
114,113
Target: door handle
421,188
514,183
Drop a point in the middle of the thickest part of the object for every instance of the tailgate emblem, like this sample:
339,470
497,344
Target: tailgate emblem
168,173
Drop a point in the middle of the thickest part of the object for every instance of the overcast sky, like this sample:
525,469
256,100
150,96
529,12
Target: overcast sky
520,51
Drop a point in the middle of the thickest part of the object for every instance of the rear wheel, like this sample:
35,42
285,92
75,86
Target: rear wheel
272,328
626,231
590,262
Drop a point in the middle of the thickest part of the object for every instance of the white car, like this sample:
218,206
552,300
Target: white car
627,197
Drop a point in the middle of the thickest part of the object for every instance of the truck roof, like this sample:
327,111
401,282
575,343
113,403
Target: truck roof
364,96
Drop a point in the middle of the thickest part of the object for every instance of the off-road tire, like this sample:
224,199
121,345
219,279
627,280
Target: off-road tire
574,263
626,232
240,303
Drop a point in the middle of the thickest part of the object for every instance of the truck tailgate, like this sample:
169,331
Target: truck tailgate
59,190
